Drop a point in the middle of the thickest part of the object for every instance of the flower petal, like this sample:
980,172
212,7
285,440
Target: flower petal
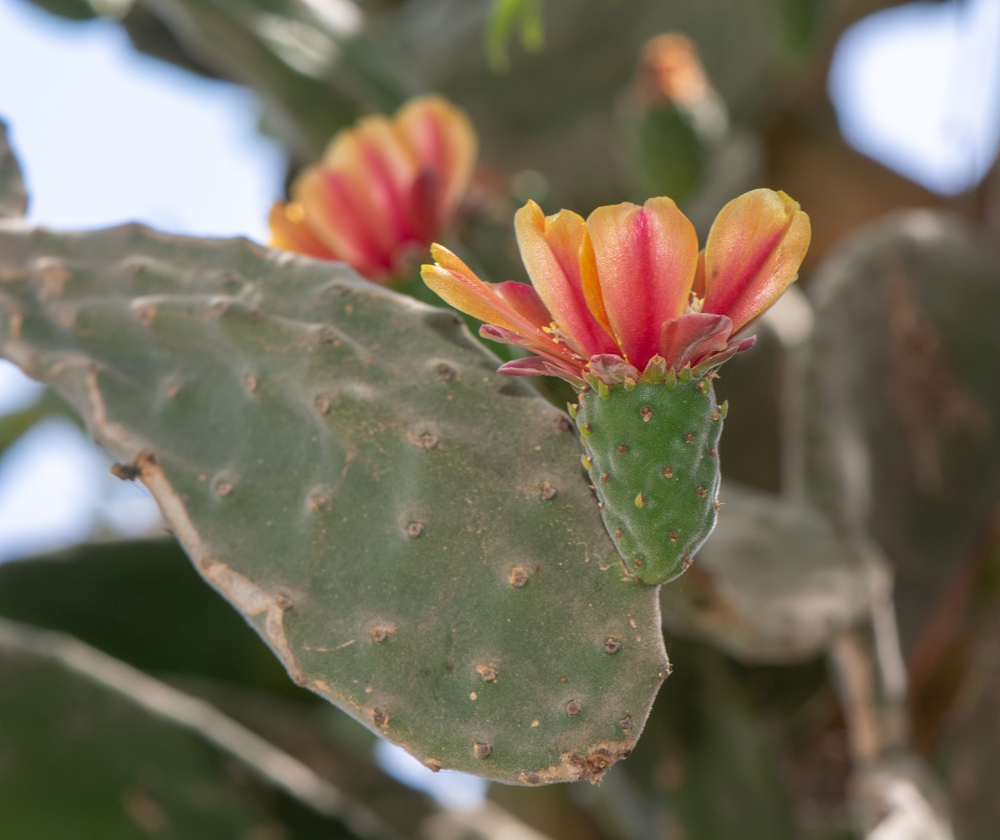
755,248
381,169
713,360
337,214
539,343
539,366
524,300
515,314
692,336
290,232
646,260
551,250
698,286
591,282
443,140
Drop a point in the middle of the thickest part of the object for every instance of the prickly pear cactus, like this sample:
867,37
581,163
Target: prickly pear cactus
406,528
652,453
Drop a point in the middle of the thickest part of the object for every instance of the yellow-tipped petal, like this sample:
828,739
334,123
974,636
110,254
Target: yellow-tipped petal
455,283
290,231
338,218
381,169
551,248
442,138
645,259
754,251
591,282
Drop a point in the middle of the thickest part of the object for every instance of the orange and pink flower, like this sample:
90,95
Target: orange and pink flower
384,190
626,295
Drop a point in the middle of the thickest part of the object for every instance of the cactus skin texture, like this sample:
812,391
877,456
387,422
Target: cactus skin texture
653,455
406,528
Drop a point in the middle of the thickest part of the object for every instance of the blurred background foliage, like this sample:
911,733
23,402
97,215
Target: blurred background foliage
862,454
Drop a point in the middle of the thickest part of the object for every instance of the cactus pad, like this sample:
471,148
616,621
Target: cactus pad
407,529
653,457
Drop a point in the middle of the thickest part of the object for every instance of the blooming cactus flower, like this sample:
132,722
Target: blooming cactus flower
625,295
625,303
384,190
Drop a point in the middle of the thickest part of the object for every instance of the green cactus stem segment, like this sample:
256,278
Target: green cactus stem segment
652,455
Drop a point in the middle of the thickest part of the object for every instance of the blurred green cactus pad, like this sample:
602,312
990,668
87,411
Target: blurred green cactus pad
407,529
903,396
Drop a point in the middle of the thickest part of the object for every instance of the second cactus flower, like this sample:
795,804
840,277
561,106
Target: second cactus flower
624,307
385,189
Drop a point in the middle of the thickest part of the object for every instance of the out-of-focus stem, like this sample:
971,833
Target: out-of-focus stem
895,797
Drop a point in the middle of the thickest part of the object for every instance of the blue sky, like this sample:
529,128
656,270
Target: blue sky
917,87
107,135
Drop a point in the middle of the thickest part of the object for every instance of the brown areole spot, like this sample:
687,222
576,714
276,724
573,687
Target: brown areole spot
518,576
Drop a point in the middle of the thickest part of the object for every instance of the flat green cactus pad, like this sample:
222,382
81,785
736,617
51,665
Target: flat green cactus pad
408,530
652,453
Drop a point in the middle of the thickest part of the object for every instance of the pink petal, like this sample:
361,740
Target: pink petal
755,248
382,169
539,343
539,366
458,285
646,259
512,315
716,359
692,336
340,219
442,140
524,300
425,196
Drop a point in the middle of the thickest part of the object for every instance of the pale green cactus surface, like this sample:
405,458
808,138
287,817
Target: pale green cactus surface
653,457
408,530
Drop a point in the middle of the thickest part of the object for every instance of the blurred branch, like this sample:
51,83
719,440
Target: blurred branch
895,796
273,765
